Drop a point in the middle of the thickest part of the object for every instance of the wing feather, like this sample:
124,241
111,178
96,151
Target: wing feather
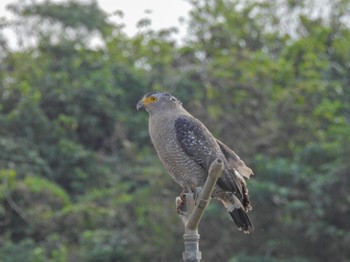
234,161
195,140
199,144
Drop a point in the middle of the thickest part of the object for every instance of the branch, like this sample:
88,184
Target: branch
202,202
11,202
194,210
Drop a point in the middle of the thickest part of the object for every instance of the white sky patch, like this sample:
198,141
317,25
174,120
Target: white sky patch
163,14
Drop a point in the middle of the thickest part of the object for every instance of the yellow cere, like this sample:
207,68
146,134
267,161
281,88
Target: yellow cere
149,100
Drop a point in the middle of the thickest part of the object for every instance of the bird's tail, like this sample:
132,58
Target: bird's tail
241,219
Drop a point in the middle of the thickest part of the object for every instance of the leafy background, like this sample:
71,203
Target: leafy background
80,180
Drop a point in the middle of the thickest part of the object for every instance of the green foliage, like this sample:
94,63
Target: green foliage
38,185
79,178
246,258
22,251
28,251
101,246
8,179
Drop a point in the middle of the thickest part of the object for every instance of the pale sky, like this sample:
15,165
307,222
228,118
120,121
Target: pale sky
165,13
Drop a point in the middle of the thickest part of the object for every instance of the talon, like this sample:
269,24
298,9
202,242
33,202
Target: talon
181,204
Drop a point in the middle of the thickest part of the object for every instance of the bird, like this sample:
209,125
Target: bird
187,148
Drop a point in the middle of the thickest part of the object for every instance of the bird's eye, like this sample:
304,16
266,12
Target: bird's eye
153,99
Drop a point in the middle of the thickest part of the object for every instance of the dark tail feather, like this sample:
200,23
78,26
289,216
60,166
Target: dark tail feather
242,220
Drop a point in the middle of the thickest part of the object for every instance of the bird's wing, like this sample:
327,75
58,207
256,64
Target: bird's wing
234,161
198,143
195,140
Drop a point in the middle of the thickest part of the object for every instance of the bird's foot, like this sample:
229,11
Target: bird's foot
181,204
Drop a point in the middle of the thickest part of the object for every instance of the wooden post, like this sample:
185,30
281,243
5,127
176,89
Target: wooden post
196,202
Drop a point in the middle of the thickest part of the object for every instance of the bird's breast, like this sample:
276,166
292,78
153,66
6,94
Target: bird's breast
182,168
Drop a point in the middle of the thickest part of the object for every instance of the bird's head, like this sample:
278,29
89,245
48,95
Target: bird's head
157,101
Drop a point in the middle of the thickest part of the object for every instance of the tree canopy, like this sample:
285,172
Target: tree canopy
80,180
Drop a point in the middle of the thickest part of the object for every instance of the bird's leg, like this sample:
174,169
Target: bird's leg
181,201
197,191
